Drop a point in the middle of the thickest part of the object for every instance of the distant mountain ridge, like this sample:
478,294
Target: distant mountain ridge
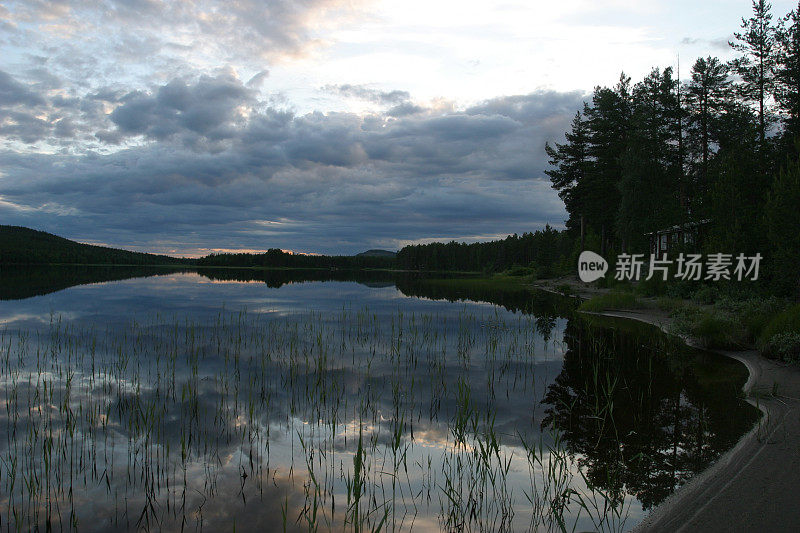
25,246
377,253
20,245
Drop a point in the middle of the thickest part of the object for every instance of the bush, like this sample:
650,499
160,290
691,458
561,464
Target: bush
717,331
565,289
734,321
684,319
520,271
753,314
655,286
680,289
712,328
610,282
783,346
787,321
546,272
706,295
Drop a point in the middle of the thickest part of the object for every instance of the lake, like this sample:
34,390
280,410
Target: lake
296,401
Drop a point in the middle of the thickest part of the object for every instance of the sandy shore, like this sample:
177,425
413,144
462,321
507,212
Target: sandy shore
755,486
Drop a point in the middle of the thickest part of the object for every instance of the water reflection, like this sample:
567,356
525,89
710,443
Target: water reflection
643,413
356,405
20,282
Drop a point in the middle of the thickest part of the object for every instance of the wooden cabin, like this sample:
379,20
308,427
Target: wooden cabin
681,235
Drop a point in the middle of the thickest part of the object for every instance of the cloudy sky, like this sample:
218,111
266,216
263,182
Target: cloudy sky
327,126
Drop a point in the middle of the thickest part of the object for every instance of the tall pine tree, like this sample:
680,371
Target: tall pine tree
787,78
708,97
571,164
608,120
756,66
651,166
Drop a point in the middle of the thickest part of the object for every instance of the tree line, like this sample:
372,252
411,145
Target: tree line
721,147
276,258
543,249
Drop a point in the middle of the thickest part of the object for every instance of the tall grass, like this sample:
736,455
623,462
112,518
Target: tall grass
348,421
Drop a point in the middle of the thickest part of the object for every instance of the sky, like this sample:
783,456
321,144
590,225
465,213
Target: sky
319,126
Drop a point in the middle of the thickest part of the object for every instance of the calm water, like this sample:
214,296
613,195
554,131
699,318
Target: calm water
322,400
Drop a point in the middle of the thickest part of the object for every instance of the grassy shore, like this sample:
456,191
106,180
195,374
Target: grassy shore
716,319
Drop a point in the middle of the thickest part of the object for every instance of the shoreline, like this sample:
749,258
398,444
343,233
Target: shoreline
753,486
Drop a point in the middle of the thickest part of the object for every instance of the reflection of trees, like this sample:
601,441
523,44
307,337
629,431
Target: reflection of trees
20,282
545,325
17,283
643,413
513,298
276,278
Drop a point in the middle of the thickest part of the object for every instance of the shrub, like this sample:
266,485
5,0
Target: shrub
712,328
521,271
680,289
683,320
753,314
655,286
565,289
544,272
715,330
787,321
706,294
783,346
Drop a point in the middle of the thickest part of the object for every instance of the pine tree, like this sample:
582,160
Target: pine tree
649,187
756,66
787,75
571,164
782,219
608,121
708,96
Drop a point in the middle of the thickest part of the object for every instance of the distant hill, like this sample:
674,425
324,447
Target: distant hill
377,253
26,246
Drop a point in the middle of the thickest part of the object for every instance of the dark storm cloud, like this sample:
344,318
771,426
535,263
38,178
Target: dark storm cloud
13,92
208,108
404,109
31,112
22,126
219,169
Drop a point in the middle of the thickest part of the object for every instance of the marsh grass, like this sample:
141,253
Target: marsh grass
348,421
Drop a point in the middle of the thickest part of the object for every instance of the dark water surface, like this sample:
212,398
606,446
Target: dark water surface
336,400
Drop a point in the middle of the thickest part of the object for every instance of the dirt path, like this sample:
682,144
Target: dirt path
755,486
